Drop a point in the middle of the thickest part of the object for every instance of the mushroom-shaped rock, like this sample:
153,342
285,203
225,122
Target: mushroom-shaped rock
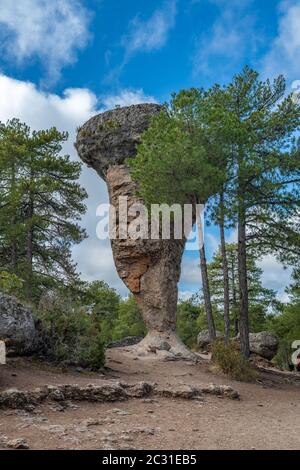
150,268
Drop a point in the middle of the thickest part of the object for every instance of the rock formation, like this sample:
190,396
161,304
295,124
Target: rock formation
149,268
17,325
203,340
108,392
263,344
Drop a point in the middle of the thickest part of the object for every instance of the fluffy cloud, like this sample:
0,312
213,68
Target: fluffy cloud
185,295
190,272
275,276
43,110
283,56
127,98
221,50
52,30
143,36
151,34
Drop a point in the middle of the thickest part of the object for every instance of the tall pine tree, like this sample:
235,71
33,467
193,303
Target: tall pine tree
43,200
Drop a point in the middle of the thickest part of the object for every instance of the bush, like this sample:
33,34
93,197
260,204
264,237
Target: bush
68,334
287,327
10,283
186,325
129,321
228,360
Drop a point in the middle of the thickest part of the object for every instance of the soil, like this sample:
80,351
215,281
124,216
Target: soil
266,416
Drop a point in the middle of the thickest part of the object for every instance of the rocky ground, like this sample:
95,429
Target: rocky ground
265,417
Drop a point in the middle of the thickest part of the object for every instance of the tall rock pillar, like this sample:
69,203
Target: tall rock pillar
149,268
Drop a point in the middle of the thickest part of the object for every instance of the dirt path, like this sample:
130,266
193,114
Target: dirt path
266,417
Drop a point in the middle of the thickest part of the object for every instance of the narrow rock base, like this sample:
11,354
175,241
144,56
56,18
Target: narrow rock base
164,345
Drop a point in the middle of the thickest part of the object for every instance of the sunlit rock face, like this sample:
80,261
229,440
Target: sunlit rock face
149,268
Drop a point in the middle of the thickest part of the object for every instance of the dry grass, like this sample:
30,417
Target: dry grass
228,360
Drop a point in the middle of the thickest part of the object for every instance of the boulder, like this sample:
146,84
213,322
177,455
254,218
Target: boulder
203,340
264,344
17,325
124,342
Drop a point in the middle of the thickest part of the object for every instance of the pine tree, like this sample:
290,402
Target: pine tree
262,301
44,201
13,146
178,161
257,125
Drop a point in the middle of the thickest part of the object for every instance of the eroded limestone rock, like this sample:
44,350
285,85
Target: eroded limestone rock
17,325
264,344
109,392
149,268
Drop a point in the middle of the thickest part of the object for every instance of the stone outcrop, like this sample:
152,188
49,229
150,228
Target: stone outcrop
264,344
123,343
17,325
108,392
149,268
203,340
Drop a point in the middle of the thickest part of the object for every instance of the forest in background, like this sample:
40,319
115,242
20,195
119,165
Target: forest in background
248,126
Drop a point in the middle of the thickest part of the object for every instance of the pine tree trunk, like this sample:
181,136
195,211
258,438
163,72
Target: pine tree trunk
29,257
14,253
243,287
225,276
235,306
29,250
234,300
236,326
205,282
14,245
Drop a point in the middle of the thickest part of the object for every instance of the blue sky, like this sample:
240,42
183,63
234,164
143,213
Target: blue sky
65,60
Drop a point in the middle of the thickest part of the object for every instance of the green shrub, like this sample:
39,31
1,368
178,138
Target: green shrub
10,283
287,327
68,334
187,322
228,360
129,321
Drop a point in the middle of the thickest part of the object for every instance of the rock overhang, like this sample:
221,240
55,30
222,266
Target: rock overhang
109,138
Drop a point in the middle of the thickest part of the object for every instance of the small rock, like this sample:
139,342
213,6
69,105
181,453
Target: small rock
29,408
93,422
18,444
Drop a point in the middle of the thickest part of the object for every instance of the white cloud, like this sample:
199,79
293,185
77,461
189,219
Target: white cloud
213,242
283,56
144,36
23,100
190,272
151,34
51,31
42,110
231,36
127,98
275,276
185,295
